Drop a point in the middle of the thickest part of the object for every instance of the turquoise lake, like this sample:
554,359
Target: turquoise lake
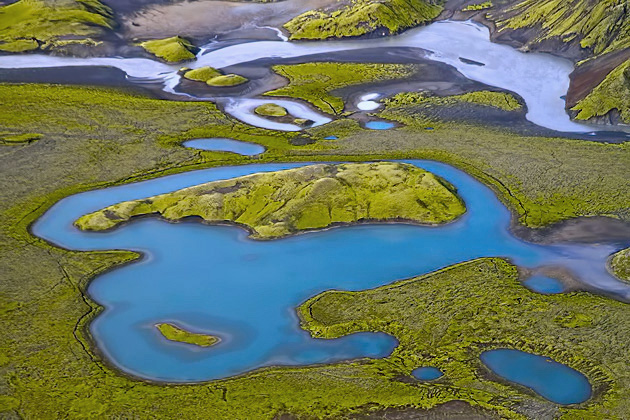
215,279
427,373
225,145
548,378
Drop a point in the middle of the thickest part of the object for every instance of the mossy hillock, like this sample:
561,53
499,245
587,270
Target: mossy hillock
173,50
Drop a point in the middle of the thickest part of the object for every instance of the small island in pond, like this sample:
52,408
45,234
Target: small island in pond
175,333
282,203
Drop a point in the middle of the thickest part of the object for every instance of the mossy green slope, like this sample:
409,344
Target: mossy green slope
620,264
174,49
313,197
600,26
612,94
446,319
314,82
361,17
31,24
175,333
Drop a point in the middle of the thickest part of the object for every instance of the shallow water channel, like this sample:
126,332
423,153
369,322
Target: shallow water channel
215,279
541,80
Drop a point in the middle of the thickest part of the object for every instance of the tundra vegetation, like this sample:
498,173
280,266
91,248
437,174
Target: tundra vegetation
94,138
363,17
315,82
312,197
176,333
40,24
173,50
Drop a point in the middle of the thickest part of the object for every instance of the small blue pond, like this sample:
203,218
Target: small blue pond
226,145
331,138
427,373
544,284
551,380
379,125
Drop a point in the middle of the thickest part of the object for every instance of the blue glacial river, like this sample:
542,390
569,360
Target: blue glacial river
216,279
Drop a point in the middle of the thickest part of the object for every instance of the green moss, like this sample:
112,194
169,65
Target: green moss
271,110
599,26
446,319
174,333
96,138
620,264
555,179
27,24
213,77
202,74
227,80
173,50
314,82
313,197
612,94
362,17
500,100
11,138
477,6
19,45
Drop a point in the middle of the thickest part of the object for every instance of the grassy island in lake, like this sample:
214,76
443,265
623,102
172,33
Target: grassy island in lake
282,203
174,333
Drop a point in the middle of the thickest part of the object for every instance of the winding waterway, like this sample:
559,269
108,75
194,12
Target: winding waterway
541,80
215,279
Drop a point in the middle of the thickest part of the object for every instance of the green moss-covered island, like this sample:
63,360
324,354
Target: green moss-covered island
227,80
313,197
213,77
620,264
271,110
176,333
173,50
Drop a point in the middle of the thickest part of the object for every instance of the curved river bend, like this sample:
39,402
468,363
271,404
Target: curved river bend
215,279
540,79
